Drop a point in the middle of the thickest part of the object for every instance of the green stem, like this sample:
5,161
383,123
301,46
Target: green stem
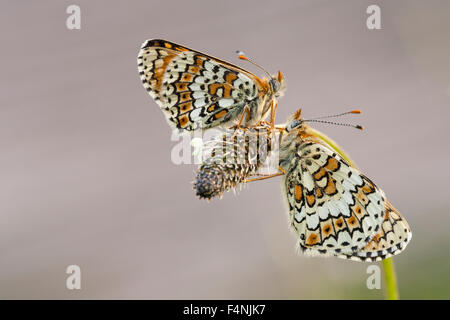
332,144
390,279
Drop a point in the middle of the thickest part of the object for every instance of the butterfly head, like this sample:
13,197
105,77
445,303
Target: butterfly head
277,84
295,122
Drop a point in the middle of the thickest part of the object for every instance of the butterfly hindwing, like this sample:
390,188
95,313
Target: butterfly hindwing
392,238
194,90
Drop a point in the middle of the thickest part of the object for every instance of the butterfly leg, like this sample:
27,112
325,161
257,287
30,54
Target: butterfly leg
263,123
272,118
273,112
237,127
282,172
245,112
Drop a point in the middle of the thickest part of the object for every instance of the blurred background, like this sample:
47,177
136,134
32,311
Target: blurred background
86,171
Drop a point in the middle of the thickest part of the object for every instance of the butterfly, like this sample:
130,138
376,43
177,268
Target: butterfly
334,209
231,158
197,91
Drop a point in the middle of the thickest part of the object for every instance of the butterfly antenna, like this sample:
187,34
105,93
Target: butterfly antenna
356,126
339,115
241,55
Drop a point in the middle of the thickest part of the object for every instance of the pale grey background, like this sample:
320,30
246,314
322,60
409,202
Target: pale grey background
86,175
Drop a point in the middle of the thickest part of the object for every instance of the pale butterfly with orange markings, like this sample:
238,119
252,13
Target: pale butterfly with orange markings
334,209
197,91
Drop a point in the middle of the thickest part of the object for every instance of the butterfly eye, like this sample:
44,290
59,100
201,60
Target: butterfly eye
275,85
295,124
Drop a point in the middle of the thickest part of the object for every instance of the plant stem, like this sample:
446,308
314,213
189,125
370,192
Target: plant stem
332,144
391,292
390,279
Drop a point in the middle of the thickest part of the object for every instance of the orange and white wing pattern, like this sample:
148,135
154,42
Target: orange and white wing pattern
333,208
392,238
197,91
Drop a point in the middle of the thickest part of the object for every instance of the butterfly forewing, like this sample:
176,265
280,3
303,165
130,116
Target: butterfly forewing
333,208
196,91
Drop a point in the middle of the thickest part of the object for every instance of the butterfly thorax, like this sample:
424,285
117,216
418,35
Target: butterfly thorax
293,144
260,106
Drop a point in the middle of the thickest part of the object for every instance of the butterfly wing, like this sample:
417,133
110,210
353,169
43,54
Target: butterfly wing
333,208
392,238
195,90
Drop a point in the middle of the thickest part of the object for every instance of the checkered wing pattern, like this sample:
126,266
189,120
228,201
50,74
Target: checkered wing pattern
197,91
333,208
392,238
